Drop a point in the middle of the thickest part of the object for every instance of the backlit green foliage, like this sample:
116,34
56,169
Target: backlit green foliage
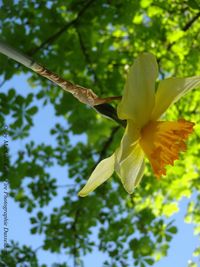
92,43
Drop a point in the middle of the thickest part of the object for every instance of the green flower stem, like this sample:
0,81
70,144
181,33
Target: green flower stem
17,56
84,95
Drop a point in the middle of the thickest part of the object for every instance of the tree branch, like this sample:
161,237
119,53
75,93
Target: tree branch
38,248
66,185
190,22
87,56
53,37
187,26
106,145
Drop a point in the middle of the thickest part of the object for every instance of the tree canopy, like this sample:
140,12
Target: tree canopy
92,43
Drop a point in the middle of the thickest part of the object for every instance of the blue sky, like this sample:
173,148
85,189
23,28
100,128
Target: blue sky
182,245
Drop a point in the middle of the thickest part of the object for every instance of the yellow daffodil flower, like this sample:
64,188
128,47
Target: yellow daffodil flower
142,106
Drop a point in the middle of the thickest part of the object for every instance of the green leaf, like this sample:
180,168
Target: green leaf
149,261
195,4
172,229
32,110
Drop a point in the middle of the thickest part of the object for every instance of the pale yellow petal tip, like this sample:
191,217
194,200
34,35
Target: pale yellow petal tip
147,54
101,173
84,192
81,194
129,190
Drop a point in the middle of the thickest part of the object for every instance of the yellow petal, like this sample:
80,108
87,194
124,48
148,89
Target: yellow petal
131,135
139,94
101,173
131,169
170,90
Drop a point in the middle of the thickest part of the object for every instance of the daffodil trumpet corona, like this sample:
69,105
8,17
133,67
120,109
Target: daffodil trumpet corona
145,134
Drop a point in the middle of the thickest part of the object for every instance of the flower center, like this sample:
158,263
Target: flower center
162,142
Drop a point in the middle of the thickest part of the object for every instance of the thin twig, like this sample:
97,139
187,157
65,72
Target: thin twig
66,185
191,22
41,246
187,26
107,144
87,57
